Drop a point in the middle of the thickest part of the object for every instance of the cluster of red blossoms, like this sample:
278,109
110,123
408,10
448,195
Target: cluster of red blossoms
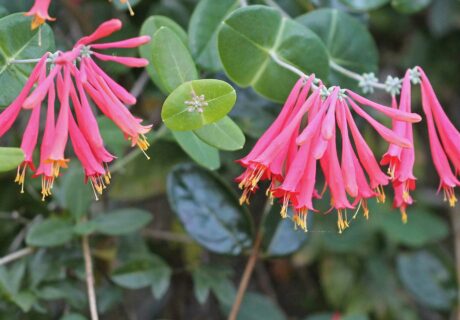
73,79
315,119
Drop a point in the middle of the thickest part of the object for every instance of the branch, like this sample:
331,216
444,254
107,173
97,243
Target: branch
16,255
89,277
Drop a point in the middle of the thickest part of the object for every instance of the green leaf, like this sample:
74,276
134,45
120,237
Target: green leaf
427,279
18,41
72,192
50,233
172,60
203,29
251,35
215,98
421,229
410,6
144,178
223,134
336,278
207,278
149,28
73,316
347,40
25,300
365,5
140,273
256,306
10,158
199,151
121,221
280,236
209,212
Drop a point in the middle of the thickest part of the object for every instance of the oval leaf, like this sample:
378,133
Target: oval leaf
410,6
365,5
251,36
347,40
171,59
17,42
10,158
149,28
50,233
197,103
280,236
426,278
209,213
203,29
223,134
198,150
121,221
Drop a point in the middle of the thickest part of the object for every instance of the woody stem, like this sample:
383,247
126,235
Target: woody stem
244,282
89,277
16,255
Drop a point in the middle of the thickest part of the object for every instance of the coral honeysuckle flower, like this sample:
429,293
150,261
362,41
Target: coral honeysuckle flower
445,148
401,160
74,80
311,122
39,12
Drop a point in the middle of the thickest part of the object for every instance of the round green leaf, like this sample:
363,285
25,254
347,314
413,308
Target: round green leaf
50,232
143,272
250,37
280,236
121,221
171,59
426,278
149,28
209,212
18,41
199,151
347,40
365,5
10,158
203,29
223,134
410,6
213,100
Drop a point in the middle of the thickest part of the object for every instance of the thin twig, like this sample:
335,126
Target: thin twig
89,277
246,277
455,216
16,255
140,84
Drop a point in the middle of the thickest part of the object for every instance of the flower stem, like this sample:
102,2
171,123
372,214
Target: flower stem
89,277
246,277
16,255
353,75
24,61
244,282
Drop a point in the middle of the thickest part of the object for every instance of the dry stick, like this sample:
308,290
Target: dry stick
455,216
246,276
16,255
89,277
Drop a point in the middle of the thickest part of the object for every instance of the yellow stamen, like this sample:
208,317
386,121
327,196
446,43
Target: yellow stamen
285,206
403,215
47,185
37,22
143,144
380,194
300,219
21,175
342,223
449,195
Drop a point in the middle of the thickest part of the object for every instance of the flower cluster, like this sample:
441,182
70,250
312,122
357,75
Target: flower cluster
72,80
313,121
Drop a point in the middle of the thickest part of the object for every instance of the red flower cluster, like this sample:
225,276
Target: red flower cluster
72,79
307,132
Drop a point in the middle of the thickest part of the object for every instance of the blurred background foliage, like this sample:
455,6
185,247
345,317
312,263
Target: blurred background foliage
169,239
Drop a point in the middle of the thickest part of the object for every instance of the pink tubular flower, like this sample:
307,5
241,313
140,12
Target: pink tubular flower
401,160
76,79
39,12
444,140
311,122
